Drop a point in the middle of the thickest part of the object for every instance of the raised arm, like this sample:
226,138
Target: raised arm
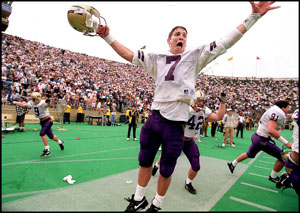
258,10
220,114
123,51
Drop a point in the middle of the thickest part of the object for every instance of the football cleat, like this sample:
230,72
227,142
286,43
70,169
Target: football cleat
284,181
62,147
46,152
80,17
274,180
134,205
190,188
154,170
231,167
153,209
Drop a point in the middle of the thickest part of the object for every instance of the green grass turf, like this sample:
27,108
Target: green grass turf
101,152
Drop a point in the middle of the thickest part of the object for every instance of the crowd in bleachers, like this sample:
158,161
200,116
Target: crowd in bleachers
81,79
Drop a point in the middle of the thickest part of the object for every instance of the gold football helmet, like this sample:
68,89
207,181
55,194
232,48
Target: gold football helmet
80,17
36,97
199,102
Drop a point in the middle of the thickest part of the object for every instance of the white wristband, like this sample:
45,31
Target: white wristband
283,140
248,22
109,39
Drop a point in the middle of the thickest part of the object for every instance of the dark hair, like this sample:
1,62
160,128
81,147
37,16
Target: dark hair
282,103
170,34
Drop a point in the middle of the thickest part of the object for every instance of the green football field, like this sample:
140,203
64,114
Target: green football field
101,160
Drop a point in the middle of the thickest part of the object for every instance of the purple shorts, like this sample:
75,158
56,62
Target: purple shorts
260,143
293,172
190,149
159,131
46,128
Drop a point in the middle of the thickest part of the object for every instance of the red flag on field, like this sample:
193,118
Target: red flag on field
257,57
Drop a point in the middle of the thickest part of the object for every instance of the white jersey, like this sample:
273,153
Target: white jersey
40,111
195,121
295,146
273,113
175,75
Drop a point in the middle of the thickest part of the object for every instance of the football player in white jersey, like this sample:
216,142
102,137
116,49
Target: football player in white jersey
262,140
40,108
291,177
198,113
175,72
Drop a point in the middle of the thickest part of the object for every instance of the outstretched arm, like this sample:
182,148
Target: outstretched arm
123,51
20,104
258,10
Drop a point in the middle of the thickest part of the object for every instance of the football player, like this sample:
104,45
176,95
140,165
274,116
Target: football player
291,177
41,111
175,72
268,127
198,113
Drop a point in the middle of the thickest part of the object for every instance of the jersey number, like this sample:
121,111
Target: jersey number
36,111
169,59
274,117
191,122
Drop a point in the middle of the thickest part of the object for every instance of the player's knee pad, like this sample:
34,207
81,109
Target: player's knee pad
196,167
166,171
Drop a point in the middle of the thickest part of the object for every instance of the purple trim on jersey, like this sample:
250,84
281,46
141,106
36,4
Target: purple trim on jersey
190,149
260,143
46,128
212,45
159,131
293,173
141,56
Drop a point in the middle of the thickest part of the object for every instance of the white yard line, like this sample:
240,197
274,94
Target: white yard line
252,204
259,187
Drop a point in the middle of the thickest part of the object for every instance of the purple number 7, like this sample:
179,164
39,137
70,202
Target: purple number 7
169,59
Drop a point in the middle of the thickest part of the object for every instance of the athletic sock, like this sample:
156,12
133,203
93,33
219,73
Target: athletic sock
234,163
139,192
47,148
274,174
157,201
59,141
187,181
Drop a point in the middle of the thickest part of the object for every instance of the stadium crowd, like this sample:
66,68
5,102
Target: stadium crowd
84,80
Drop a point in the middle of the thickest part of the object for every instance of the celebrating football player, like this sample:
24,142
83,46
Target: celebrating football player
198,113
41,111
175,73
270,121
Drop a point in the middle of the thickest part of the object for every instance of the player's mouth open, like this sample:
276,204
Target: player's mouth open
179,44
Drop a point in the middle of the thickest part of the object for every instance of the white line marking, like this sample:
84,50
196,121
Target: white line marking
72,161
65,156
263,167
27,193
250,173
259,187
266,162
268,157
252,204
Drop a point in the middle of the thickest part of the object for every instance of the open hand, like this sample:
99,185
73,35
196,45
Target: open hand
262,7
